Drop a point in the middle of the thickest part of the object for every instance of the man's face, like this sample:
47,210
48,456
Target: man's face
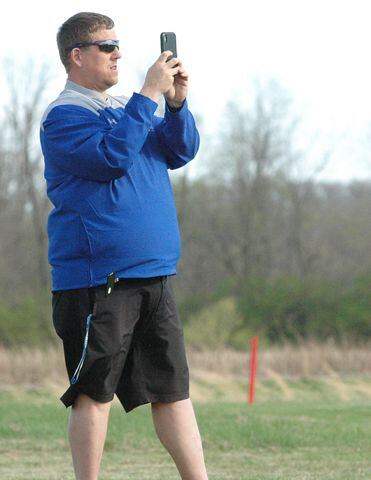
98,68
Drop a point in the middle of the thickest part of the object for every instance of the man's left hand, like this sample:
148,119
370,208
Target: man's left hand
177,93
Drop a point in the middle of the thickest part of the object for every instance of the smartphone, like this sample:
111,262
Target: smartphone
168,42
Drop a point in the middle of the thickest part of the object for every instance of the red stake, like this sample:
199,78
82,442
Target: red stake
253,362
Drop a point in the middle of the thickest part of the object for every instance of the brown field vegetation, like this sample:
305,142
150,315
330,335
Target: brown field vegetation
287,372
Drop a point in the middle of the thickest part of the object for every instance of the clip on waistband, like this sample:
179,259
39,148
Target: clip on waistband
111,280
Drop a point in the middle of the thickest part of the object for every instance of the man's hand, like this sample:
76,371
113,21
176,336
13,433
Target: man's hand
160,77
177,93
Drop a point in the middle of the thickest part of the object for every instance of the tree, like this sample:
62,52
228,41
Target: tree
248,169
27,87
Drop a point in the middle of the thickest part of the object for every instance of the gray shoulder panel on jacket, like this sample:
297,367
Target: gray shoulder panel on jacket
70,97
76,98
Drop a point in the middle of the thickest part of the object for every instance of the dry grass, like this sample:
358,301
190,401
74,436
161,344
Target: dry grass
31,367
34,366
222,374
309,359
308,371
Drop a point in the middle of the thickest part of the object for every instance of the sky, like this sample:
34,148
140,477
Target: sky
318,51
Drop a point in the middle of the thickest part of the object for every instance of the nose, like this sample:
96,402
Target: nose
116,53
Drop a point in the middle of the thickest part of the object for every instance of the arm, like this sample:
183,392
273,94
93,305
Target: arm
178,136
77,141
177,132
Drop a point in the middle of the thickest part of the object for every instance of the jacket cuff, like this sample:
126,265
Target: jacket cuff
184,107
144,101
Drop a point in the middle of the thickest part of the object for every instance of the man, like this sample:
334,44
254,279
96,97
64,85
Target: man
114,241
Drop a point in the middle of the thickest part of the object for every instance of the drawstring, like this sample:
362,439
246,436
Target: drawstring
81,362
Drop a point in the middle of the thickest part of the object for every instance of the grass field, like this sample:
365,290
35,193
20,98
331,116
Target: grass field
274,440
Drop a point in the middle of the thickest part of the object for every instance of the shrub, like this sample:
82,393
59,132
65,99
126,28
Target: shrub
218,325
27,322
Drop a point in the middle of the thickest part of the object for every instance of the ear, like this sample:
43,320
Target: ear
76,57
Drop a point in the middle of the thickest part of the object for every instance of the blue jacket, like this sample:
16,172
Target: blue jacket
106,168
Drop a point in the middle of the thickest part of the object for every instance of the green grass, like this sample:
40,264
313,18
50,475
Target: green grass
269,441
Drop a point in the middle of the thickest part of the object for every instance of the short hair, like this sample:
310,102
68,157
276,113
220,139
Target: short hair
78,29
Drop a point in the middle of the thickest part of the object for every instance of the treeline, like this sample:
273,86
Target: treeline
265,251
295,267
280,310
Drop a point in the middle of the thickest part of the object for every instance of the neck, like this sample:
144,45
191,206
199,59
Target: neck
85,83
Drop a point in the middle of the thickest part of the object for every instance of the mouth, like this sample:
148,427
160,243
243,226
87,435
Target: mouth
114,67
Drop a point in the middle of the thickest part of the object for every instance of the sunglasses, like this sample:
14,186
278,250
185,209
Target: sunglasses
107,46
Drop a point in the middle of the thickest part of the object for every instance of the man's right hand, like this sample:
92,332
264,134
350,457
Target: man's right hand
160,77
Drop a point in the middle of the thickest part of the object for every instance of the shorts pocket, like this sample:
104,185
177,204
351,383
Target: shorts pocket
171,310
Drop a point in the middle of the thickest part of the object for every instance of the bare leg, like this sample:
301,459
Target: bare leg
177,429
87,433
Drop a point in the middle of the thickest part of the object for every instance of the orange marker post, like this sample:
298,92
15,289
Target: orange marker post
253,363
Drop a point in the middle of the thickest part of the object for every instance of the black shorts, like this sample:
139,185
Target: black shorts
129,342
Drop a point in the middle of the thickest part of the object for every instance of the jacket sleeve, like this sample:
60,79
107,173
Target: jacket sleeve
178,136
78,142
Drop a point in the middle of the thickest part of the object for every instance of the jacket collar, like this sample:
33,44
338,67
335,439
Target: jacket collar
70,85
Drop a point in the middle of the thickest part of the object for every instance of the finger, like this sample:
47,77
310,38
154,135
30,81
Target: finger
174,71
174,61
182,72
165,55
180,81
